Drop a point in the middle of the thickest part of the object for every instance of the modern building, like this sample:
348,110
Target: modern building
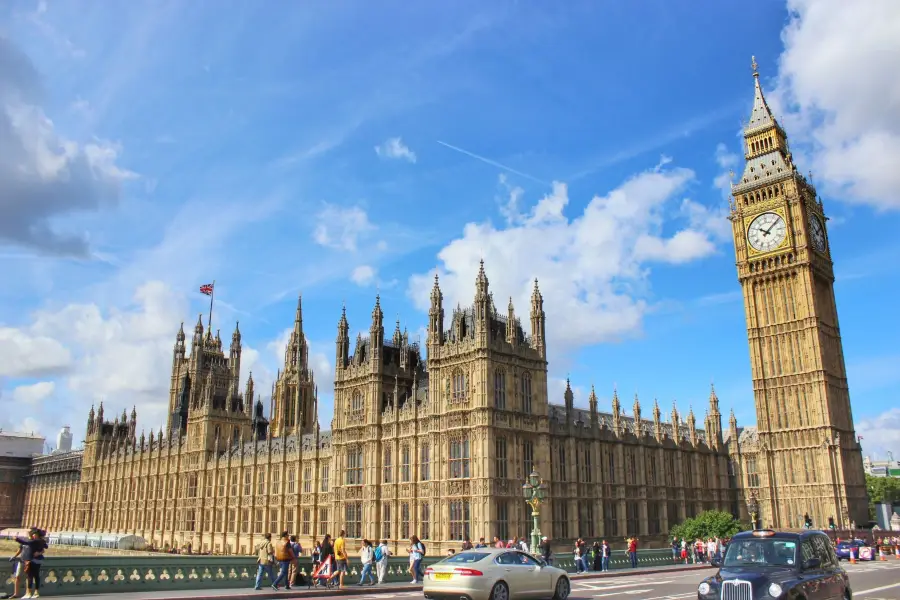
16,452
882,468
437,440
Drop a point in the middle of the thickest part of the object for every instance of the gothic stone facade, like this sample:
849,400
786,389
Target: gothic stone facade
803,456
439,443
436,446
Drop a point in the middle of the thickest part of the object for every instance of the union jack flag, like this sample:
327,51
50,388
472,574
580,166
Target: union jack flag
207,289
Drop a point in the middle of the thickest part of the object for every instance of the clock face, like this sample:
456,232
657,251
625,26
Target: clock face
766,232
817,233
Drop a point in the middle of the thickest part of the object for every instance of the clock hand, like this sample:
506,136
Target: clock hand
770,227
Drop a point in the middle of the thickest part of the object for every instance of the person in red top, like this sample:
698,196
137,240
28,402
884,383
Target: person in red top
632,551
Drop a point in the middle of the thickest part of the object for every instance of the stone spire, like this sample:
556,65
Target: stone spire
436,315
511,337
569,398
342,343
592,406
676,423
657,421
692,426
616,412
761,115
637,413
538,321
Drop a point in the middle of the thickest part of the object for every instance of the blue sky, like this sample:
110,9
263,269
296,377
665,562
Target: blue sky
345,149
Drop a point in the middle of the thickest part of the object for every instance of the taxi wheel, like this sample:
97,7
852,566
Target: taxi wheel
562,589
499,591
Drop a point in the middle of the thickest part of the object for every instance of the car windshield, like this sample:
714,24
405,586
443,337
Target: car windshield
465,558
761,553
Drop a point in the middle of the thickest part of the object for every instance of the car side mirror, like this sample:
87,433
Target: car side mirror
715,563
813,563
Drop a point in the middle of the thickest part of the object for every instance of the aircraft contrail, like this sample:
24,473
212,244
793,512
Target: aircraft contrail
493,163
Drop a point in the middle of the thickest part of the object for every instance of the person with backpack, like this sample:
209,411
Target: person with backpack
416,554
285,556
381,560
367,558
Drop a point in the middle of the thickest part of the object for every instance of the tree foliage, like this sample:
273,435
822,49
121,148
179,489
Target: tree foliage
709,524
881,489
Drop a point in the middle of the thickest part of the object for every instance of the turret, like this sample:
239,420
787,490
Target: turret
538,322
235,352
481,306
592,405
376,336
198,335
676,424
179,350
342,343
397,338
616,413
248,396
436,315
570,401
714,428
90,422
637,415
511,324
657,421
733,429
692,427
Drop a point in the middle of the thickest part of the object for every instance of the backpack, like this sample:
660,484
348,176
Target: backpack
378,553
422,548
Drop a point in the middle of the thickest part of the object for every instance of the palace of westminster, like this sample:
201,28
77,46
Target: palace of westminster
437,442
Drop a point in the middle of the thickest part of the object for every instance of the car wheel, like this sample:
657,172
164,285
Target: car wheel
562,589
499,591
847,595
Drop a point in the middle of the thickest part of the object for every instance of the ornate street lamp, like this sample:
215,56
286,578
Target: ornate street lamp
753,508
535,490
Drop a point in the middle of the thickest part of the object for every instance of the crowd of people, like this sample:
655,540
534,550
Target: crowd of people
698,551
330,561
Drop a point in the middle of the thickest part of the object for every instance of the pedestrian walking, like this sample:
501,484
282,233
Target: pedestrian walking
381,560
265,558
367,558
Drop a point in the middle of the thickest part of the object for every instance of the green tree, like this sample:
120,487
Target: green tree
709,524
881,489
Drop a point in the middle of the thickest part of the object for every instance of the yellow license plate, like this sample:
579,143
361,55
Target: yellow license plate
442,576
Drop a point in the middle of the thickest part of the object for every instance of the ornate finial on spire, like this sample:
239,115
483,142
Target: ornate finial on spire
754,66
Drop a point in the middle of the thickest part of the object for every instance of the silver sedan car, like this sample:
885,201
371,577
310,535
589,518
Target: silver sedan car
494,574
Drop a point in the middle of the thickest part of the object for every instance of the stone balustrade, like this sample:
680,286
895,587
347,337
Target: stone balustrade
74,575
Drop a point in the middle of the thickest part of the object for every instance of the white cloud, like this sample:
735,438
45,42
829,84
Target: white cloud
881,434
727,161
26,354
363,275
43,175
33,394
395,148
840,97
341,227
592,269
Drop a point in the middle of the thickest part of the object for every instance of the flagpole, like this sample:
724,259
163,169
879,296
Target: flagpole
211,296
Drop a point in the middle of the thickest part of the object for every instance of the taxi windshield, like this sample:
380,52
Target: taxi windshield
755,552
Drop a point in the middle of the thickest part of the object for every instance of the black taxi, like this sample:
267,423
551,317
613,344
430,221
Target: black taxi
766,564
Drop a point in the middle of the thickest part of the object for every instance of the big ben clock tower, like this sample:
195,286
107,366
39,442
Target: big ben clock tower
807,460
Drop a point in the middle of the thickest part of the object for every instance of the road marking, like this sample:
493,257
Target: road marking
628,592
675,597
878,589
603,588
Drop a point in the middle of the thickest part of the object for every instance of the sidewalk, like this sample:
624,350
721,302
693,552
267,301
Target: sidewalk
351,589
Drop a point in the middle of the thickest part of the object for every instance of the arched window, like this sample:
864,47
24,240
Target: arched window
236,435
356,402
500,389
526,392
458,387
354,466
386,464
